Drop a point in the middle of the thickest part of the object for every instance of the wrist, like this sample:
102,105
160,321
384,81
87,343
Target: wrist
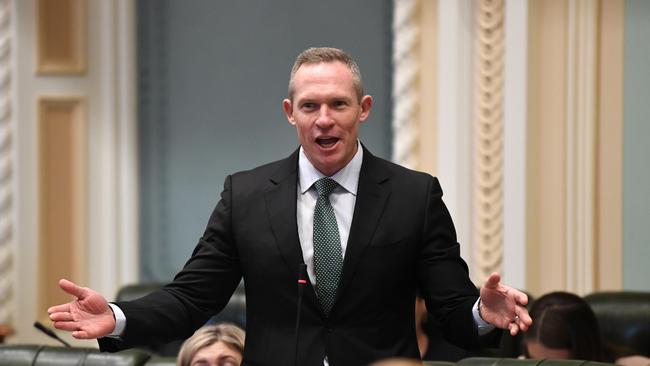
480,310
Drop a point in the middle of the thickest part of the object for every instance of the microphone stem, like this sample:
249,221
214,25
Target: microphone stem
302,281
48,332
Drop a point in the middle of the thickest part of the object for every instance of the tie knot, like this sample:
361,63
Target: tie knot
325,186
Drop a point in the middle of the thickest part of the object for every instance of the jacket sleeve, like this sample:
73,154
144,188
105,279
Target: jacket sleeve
201,289
443,275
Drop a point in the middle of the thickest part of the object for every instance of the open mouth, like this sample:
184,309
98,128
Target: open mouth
327,142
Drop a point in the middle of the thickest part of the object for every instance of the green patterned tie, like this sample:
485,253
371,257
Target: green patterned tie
328,255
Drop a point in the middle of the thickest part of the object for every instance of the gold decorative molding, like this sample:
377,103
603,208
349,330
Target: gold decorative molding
61,45
62,199
415,84
488,132
7,175
406,69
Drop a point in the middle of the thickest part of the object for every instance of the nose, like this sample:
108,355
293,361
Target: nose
324,119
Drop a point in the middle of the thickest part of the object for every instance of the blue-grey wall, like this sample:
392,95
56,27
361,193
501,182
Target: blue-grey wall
211,78
636,147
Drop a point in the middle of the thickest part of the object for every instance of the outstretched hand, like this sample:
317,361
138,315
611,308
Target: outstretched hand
87,317
503,306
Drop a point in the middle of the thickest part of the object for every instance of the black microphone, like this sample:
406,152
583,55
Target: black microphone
302,281
50,333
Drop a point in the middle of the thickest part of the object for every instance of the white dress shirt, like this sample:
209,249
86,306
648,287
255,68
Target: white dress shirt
342,200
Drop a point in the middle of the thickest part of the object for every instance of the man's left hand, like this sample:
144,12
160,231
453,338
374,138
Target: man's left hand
503,306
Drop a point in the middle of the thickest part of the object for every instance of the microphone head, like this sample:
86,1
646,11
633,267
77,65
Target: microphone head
44,329
302,273
50,333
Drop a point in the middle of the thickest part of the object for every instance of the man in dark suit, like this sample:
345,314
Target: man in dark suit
367,232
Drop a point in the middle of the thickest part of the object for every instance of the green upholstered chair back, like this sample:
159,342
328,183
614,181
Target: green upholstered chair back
136,291
487,361
34,355
19,355
624,320
161,361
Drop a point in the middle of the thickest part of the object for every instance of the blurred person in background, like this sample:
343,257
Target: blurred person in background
213,345
565,327
398,362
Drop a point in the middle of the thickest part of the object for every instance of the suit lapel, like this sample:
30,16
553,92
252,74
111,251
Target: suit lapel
372,195
281,207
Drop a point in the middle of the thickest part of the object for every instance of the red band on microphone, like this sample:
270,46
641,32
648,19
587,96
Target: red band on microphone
302,282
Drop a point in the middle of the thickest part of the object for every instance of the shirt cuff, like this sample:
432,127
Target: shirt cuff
483,326
120,321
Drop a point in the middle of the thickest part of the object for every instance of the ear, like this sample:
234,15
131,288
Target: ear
366,105
287,106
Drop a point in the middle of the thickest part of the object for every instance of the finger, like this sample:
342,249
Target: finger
61,317
69,326
522,327
514,329
63,308
72,288
81,334
520,297
493,281
521,324
524,317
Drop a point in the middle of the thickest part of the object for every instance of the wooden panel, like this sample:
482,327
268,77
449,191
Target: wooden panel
62,130
61,45
609,221
546,176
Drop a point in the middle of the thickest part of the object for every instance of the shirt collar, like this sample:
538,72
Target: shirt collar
348,177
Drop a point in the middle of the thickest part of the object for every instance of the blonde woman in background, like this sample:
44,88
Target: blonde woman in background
213,345
398,362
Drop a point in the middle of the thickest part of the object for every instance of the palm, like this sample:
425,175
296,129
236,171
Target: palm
87,317
499,307
90,313
503,306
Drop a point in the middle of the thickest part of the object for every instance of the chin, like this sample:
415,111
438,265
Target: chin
329,167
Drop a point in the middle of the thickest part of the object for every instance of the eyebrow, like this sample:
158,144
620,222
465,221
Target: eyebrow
225,357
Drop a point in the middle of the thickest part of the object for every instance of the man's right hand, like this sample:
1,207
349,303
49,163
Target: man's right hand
87,317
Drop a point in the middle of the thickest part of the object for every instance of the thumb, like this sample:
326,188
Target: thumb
72,288
493,281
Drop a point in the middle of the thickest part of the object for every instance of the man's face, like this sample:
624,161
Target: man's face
326,112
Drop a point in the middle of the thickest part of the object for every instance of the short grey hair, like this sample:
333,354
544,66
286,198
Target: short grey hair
315,55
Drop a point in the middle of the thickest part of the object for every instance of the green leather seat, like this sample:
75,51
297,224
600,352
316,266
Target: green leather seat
494,361
130,357
18,355
34,355
438,363
624,320
161,361
487,361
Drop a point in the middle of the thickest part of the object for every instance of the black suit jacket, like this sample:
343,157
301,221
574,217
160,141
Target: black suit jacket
402,237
